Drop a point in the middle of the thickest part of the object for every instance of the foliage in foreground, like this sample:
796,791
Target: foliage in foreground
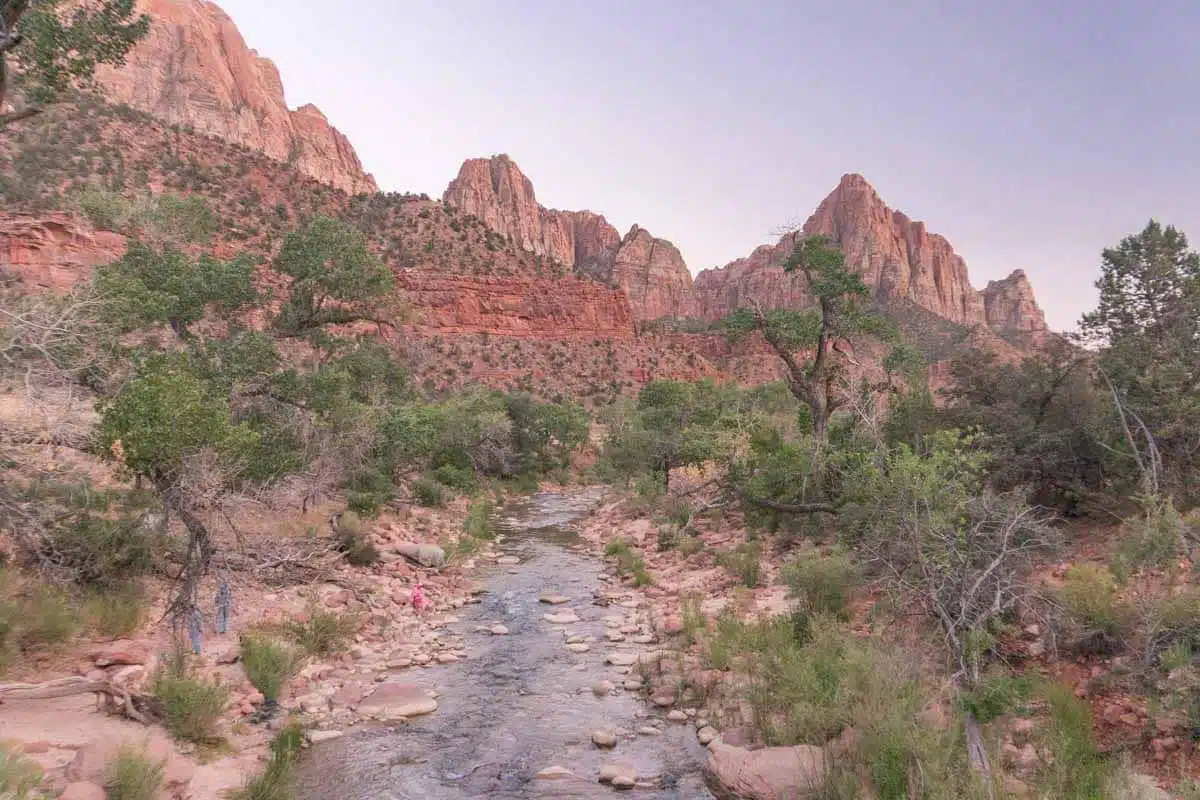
191,708
277,780
133,776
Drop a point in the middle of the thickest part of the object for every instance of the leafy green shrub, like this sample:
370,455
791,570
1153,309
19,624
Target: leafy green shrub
102,552
691,619
323,632
116,612
478,524
105,209
20,778
628,562
131,775
1173,621
1155,539
354,542
277,780
689,545
678,511
459,478
268,664
44,618
1089,595
428,492
668,538
191,708
822,584
1078,770
994,696
743,562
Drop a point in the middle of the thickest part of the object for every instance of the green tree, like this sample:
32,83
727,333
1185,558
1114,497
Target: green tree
334,277
54,47
675,424
148,286
814,378
1147,325
1042,420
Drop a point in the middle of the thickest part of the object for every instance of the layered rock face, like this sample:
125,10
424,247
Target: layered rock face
1012,309
193,68
54,251
896,256
649,271
526,308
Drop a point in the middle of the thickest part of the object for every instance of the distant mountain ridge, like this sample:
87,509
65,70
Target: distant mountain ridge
897,257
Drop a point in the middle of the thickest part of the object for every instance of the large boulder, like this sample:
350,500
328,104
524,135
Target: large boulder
772,773
427,555
396,700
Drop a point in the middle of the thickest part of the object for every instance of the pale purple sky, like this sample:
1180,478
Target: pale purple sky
1030,133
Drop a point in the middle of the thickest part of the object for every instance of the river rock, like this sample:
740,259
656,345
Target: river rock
643,638
83,790
621,659
393,700
614,636
632,684
770,773
564,617
576,638
554,773
666,700
604,738
706,734
554,599
316,737
649,730
427,555
624,782
618,769
578,647
603,688
508,561
498,630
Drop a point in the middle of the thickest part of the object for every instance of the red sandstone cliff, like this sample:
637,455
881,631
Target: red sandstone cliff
194,68
650,271
54,251
1012,309
899,260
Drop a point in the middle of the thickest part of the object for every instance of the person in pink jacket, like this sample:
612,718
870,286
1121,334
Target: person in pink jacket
419,601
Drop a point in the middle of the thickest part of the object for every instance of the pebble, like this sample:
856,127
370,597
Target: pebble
576,638
604,738
554,599
632,684
498,630
706,734
565,617
644,638
666,700
649,730
603,688
508,561
675,715
621,659
578,647
614,636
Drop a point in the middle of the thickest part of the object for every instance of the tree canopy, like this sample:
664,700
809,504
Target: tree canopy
50,46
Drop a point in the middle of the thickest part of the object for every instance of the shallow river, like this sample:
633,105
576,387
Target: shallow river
522,702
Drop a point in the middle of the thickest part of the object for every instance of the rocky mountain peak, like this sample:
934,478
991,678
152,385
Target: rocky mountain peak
195,69
650,271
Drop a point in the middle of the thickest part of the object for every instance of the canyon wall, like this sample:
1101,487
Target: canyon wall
195,69
649,270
